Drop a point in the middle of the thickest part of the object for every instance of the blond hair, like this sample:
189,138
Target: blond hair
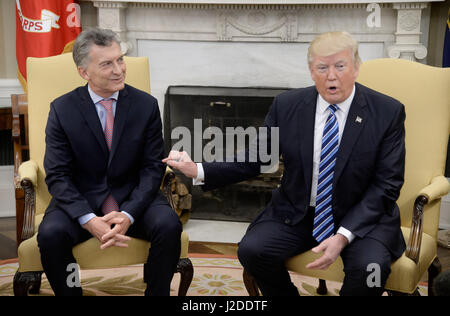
330,43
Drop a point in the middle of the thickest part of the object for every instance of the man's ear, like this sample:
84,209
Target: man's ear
83,73
357,65
311,72
356,72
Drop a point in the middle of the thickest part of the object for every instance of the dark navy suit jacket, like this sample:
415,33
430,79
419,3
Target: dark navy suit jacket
80,170
369,170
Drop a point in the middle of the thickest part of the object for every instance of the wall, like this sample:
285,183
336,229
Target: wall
8,65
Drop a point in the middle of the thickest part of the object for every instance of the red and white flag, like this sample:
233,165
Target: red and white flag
44,28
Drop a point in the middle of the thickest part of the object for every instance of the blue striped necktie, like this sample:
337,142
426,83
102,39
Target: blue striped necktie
323,216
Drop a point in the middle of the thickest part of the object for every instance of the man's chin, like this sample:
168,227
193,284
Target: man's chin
119,86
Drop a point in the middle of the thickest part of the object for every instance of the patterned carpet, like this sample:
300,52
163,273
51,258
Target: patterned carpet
214,275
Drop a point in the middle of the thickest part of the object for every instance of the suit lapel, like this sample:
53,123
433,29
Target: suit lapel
122,109
89,113
357,116
305,134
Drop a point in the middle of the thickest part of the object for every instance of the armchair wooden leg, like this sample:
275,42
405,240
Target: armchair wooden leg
433,270
25,282
250,284
186,270
322,288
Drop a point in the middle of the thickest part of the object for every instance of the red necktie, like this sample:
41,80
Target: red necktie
110,203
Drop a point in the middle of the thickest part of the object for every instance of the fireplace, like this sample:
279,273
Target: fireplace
197,108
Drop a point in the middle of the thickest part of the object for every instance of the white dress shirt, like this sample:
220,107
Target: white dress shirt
101,112
322,113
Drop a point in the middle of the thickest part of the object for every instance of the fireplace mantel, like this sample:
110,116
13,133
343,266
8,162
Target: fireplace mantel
267,20
257,2
262,41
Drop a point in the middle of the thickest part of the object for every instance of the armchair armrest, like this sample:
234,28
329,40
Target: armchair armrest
19,108
438,187
28,180
28,171
166,186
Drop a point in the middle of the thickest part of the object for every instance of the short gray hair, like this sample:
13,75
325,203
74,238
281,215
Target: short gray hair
331,43
84,41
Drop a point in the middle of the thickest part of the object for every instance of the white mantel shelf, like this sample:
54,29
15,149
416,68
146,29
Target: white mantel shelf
269,2
204,4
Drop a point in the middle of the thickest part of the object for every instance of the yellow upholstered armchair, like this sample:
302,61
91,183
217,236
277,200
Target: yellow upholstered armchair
425,92
49,78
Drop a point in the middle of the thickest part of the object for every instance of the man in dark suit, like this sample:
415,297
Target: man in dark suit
103,169
343,151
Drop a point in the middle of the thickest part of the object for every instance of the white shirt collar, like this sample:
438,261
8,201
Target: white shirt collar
323,105
96,98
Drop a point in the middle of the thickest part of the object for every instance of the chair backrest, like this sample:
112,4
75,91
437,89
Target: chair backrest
425,92
49,78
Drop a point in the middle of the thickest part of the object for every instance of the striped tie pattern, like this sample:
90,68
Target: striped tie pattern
323,216
110,203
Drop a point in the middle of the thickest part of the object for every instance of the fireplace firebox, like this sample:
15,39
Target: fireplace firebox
197,108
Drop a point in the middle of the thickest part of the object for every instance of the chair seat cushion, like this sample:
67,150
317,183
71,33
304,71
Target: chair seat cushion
90,256
405,274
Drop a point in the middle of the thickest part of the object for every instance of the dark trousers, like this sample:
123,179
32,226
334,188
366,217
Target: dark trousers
160,225
268,244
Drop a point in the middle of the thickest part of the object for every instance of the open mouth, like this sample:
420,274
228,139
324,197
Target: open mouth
332,89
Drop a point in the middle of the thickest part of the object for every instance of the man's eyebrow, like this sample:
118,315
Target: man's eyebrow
109,60
102,61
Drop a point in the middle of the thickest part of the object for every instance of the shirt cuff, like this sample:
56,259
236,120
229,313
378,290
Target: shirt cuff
129,216
346,233
86,218
200,175
83,219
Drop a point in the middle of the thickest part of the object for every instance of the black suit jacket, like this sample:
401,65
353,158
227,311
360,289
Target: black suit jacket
369,167
80,170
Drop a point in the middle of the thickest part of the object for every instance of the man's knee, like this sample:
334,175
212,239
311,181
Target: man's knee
367,273
52,235
167,224
249,253
369,280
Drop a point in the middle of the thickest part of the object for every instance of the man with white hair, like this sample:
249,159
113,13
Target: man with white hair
344,153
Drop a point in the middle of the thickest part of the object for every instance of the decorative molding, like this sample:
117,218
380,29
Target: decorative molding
410,52
261,2
253,6
407,36
410,5
256,24
408,21
110,4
